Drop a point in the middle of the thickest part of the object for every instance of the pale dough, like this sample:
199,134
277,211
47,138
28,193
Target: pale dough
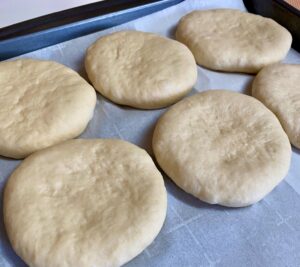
41,103
231,40
222,147
141,70
278,87
84,203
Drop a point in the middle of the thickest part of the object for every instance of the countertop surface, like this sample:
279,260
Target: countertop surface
13,11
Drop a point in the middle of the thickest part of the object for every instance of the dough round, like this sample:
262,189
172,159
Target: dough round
41,103
231,40
141,70
84,203
278,87
222,147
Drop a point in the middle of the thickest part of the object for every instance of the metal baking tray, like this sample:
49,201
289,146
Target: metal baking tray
282,12
61,26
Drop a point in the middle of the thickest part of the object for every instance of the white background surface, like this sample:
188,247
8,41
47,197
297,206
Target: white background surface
14,11
195,234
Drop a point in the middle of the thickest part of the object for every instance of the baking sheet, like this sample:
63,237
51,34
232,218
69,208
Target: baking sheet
194,234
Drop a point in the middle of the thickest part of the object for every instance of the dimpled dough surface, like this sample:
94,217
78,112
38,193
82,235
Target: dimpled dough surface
231,40
141,70
41,103
84,203
222,147
278,87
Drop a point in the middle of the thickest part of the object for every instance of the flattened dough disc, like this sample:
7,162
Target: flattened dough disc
84,203
141,70
222,147
41,103
231,40
278,87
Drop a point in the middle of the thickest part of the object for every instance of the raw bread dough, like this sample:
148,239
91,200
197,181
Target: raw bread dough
222,147
231,40
141,70
84,203
278,87
41,103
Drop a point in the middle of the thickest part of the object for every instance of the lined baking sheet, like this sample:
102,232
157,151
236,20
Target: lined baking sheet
194,234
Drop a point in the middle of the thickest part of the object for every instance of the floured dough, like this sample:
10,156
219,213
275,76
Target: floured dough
141,70
278,87
222,147
41,103
231,40
84,203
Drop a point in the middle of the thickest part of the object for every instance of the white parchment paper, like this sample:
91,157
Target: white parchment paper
194,234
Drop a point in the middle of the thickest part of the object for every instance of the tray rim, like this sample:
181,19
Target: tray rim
20,44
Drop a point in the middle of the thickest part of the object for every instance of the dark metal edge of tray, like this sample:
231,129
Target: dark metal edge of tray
282,12
61,26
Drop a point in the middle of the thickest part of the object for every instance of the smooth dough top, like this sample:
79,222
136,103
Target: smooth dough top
141,70
231,40
278,87
41,103
222,147
84,203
